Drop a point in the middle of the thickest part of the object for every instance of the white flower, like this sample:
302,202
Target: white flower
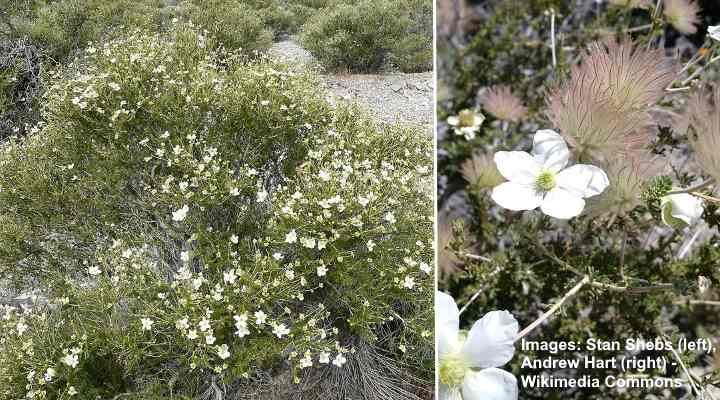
339,360
261,196
241,325
308,242
94,271
223,352
192,334
321,270
324,175
185,256
229,277
680,210
204,325
21,328
425,267
409,282
306,361
281,330
714,32
539,180
466,123
72,391
291,237
370,245
210,338
468,361
114,86
182,323
50,374
71,360
390,217
147,324
324,358
234,239
260,317
180,214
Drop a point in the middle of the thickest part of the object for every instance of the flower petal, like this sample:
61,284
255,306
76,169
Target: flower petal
583,180
517,166
550,150
516,197
453,120
682,206
562,204
490,384
447,323
491,340
448,393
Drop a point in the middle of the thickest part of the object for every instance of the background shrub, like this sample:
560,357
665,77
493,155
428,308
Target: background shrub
354,37
369,34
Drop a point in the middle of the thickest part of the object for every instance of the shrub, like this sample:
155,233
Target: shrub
414,51
236,25
354,37
176,189
61,27
20,85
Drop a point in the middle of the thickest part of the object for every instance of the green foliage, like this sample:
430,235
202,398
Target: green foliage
236,25
61,27
364,35
199,220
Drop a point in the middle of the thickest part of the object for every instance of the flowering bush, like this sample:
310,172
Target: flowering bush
201,222
635,105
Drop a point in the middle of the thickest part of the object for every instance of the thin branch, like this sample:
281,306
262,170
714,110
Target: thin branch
622,256
693,302
639,28
687,373
480,290
554,308
694,188
706,197
552,37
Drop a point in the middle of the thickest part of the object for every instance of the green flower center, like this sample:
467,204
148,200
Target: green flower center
466,118
545,181
452,370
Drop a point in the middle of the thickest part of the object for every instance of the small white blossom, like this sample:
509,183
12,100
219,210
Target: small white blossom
424,267
50,374
714,32
280,330
94,271
204,325
180,214
223,352
308,242
321,270
390,217
71,360
339,360
324,358
147,324
234,239
210,338
409,282
261,196
291,237
260,317
192,334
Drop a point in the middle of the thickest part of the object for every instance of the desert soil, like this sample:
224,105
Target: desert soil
389,97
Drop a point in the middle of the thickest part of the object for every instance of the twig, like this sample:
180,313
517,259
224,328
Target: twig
695,188
687,373
480,290
552,37
554,308
474,257
698,302
706,197
639,28
622,256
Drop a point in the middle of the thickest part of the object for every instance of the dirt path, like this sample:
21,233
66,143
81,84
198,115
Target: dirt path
392,97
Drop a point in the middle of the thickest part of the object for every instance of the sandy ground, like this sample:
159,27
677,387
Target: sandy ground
389,97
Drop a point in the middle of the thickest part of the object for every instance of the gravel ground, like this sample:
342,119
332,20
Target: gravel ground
391,97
